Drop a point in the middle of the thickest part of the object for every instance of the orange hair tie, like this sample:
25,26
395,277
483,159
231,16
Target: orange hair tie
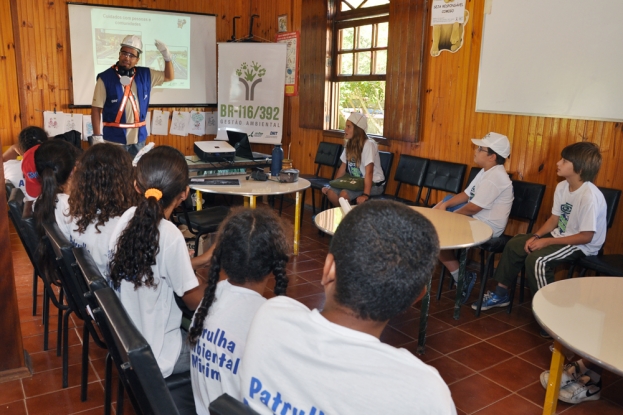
153,193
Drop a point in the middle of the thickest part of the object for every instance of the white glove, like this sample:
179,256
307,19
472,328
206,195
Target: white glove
162,48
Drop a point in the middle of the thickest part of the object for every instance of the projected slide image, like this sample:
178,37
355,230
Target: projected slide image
107,45
179,55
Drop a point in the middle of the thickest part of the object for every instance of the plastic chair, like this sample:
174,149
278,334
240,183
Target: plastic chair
328,154
25,228
132,355
411,170
445,176
201,222
75,289
603,264
226,405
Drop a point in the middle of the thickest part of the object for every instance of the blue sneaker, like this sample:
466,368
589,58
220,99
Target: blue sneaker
491,300
468,286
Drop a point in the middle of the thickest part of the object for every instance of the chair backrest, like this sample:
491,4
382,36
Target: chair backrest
472,174
445,176
411,170
226,405
132,355
25,227
61,250
328,154
387,158
8,188
612,197
527,201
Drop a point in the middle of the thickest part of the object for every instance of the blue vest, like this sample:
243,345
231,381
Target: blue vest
114,92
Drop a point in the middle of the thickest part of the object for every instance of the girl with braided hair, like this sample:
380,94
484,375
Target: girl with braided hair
101,190
150,261
251,247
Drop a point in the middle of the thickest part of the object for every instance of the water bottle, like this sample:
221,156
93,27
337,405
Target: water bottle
277,159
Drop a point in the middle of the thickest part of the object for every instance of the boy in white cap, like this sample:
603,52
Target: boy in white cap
361,158
122,94
488,197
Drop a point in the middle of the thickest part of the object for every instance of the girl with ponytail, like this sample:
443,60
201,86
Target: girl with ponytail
150,261
250,248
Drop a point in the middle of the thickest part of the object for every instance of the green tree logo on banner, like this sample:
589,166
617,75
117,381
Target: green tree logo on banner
247,75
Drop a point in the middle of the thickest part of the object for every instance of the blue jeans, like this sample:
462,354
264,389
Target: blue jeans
453,208
133,149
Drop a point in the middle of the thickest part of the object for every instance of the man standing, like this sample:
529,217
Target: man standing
122,95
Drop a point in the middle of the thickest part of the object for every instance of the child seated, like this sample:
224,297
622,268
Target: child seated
251,248
102,189
332,361
150,261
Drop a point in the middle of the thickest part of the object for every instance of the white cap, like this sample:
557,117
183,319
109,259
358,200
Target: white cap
133,41
496,142
359,120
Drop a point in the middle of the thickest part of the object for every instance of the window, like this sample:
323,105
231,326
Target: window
359,62
364,55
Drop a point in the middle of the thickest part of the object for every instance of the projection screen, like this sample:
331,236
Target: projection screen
95,35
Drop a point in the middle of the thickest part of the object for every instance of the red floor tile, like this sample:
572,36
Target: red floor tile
66,401
512,405
11,391
13,408
481,356
451,340
476,392
516,341
451,370
513,374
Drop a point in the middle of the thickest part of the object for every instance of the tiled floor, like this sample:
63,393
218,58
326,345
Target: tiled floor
491,364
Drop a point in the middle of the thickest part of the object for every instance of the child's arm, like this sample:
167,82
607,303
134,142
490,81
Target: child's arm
536,243
470,209
203,259
10,154
455,200
367,184
192,298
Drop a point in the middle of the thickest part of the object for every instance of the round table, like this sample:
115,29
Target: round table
584,316
455,231
250,189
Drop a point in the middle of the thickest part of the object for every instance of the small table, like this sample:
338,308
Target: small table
584,316
196,164
455,231
250,189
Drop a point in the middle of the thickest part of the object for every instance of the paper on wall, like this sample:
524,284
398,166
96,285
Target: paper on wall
211,125
73,122
197,124
53,123
160,122
179,123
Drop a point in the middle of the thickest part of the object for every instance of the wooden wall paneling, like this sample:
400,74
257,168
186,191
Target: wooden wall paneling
10,122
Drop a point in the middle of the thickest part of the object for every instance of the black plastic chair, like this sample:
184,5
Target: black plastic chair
202,222
603,264
526,205
75,289
138,370
226,405
445,176
8,188
411,170
328,154
25,228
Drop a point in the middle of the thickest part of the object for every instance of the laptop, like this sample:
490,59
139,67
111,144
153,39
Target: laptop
240,142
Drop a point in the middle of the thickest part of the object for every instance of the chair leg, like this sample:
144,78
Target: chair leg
35,280
424,320
46,318
60,324
108,385
483,283
313,201
523,285
281,205
85,362
571,271
120,396
583,273
66,349
482,262
441,277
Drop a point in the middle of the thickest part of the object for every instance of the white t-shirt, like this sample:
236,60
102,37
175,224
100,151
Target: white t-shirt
153,309
95,243
579,211
369,154
492,190
215,360
297,361
13,173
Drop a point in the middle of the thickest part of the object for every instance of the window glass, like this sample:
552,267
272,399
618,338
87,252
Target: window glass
366,97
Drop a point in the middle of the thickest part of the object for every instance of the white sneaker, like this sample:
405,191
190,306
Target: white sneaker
570,373
583,389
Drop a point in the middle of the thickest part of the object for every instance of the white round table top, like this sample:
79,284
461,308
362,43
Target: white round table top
585,315
455,231
252,187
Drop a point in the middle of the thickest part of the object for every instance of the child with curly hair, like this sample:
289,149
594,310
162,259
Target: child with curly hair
251,247
150,261
102,189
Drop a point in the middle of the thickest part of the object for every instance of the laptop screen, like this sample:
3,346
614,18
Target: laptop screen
240,141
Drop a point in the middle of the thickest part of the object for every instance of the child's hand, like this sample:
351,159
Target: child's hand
534,244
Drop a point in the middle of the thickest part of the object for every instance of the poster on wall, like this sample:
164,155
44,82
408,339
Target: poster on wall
251,83
291,39
448,19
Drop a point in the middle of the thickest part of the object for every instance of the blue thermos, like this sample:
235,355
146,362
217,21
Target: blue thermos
277,159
